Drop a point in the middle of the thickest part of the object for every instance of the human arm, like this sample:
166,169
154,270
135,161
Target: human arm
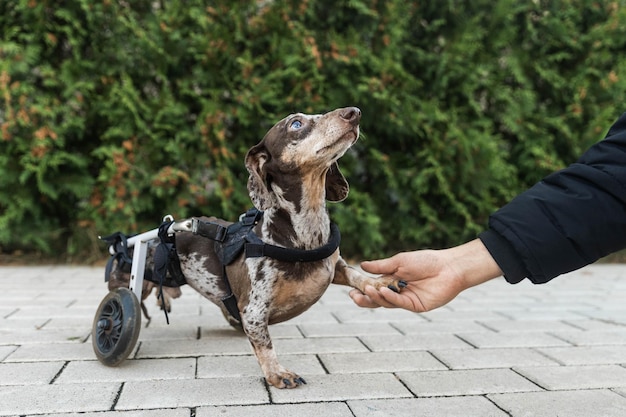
568,220
434,277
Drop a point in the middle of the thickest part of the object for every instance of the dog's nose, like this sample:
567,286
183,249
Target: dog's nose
351,114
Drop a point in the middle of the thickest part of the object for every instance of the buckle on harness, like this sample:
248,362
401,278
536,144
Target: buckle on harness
209,230
250,217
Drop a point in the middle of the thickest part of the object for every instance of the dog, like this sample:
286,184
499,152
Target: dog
293,171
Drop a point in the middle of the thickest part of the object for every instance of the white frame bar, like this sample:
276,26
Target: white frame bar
140,242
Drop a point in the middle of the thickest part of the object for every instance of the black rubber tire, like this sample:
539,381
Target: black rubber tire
116,326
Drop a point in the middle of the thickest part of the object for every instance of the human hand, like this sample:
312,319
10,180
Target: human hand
433,277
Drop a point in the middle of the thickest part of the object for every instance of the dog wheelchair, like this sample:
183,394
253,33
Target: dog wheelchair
117,321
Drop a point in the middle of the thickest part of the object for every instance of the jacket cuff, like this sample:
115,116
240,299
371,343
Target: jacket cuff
505,256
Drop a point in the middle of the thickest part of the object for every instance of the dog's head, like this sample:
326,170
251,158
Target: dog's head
302,148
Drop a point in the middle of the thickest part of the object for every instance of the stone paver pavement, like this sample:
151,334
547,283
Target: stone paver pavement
497,350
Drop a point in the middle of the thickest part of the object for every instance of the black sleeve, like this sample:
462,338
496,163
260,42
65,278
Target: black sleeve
568,220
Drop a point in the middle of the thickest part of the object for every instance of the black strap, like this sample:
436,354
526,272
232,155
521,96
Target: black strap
209,230
120,246
219,233
230,301
256,248
162,260
229,242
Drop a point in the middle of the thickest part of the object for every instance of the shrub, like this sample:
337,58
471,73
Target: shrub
116,113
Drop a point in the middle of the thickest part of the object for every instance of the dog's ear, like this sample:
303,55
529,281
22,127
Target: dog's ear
256,158
337,187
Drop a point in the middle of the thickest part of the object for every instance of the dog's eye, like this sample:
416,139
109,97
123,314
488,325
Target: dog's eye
296,124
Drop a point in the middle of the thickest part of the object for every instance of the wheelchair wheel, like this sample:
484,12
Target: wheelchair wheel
116,326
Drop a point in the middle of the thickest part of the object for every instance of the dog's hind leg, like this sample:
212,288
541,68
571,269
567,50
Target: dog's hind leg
144,309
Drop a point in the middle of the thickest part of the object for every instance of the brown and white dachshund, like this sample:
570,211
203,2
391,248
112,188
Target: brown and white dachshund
293,172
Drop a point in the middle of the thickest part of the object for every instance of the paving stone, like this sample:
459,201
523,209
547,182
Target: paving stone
129,370
368,362
169,412
360,315
347,329
178,332
286,331
452,327
414,342
508,339
42,336
554,378
74,323
248,366
587,355
469,406
192,393
506,346
512,326
490,358
29,373
184,348
40,399
466,382
546,315
493,303
157,322
42,311
617,317
592,325
6,350
52,352
594,337
224,330
6,312
327,409
555,305
441,315
562,403
340,387
27,323
314,316
318,345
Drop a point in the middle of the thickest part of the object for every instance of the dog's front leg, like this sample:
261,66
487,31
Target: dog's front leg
256,329
346,275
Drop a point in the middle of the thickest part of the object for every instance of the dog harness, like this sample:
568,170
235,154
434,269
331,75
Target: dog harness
230,242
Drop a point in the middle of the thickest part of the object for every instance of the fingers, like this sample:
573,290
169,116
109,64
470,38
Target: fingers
381,266
371,299
397,300
362,300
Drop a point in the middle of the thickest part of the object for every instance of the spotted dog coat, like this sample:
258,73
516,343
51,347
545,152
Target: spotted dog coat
293,171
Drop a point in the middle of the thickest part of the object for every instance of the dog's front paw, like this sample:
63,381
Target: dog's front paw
397,285
285,380
387,281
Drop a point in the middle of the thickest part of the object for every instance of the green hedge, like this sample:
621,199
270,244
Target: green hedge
115,113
